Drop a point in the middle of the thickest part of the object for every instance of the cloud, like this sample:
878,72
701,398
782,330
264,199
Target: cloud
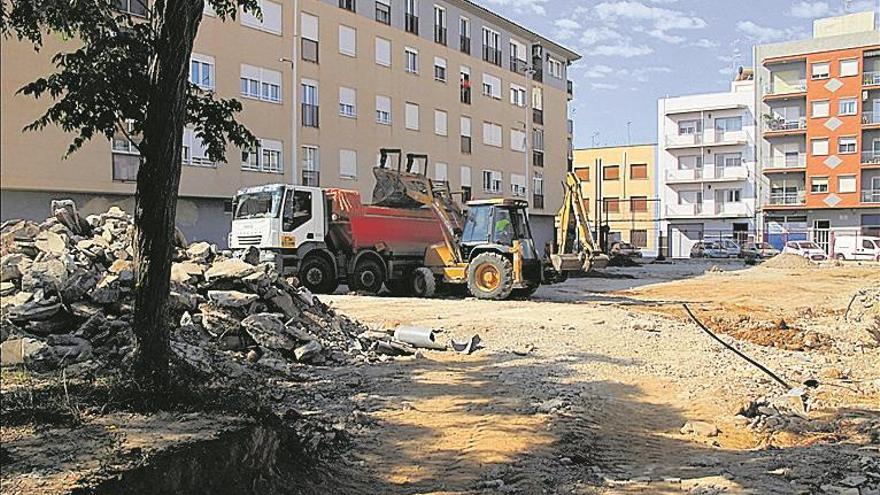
663,19
594,35
809,10
599,71
566,28
765,34
522,6
705,43
623,49
603,86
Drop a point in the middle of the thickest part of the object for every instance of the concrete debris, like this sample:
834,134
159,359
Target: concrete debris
466,347
699,428
68,297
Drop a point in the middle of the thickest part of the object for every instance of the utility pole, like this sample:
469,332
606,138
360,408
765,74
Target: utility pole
628,134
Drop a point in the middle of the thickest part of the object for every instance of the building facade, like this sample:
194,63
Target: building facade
324,88
819,142
706,167
619,188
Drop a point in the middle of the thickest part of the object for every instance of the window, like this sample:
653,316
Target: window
538,147
638,171
441,172
347,41
383,11
464,30
347,102
311,166
518,56
518,140
492,181
383,52
846,184
201,71
538,190
689,127
638,203
440,123
847,106
348,5
846,145
466,135
819,147
728,124
309,25
492,134
732,195
612,204
638,238
271,21
265,157
261,84
440,69
465,84
309,90
819,185
517,95
347,164
465,183
440,25
492,86
849,67
727,160
383,110
820,109
821,70
412,60
556,67
583,173
133,7
491,46
412,116
411,17
611,172
518,185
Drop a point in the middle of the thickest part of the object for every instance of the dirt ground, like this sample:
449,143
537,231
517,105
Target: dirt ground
585,389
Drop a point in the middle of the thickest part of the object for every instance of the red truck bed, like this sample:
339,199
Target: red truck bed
398,231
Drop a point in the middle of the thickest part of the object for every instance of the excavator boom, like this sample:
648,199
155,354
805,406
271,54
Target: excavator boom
575,248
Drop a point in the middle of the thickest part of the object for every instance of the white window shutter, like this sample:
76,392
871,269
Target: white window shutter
383,103
348,163
412,116
347,40
383,52
309,26
271,16
465,176
441,172
347,96
440,123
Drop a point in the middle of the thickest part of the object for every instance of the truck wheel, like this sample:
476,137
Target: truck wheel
490,276
368,277
841,257
423,283
316,274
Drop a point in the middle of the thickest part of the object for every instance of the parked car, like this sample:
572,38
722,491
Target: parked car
626,250
807,249
730,247
708,249
857,247
758,250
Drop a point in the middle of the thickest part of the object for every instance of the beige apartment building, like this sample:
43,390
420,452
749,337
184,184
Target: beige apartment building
325,87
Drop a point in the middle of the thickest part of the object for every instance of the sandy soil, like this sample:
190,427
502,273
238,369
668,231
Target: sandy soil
585,389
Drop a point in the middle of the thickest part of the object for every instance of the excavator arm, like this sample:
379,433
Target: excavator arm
575,247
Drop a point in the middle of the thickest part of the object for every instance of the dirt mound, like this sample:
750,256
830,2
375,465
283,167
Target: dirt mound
779,333
788,261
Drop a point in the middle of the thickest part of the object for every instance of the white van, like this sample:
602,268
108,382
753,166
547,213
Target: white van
857,247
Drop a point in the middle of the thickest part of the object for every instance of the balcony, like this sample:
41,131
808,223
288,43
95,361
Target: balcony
684,211
785,88
518,65
781,127
871,157
786,162
411,23
707,174
492,55
870,118
311,178
684,140
871,196
732,209
464,44
797,198
871,78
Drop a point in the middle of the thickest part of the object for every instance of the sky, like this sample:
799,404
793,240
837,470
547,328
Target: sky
636,51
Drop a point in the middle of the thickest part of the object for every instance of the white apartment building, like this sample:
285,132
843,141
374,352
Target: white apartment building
706,166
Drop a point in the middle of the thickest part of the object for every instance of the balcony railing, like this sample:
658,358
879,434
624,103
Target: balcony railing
870,118
788,198
787,125
538,116
411,23
792,161
871,78
440,35
786,87
464,44
872,157
492,55
311,178
684,139
310,115
684,210
871,196
518,65
739,209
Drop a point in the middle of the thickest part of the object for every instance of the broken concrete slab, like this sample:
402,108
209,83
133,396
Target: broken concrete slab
20,351
267,330
229,269
231,298
699,428
309,352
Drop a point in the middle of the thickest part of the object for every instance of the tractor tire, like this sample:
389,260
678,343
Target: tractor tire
317,275
423,284
367,278
490,276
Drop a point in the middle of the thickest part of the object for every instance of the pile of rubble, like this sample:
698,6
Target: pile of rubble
68,288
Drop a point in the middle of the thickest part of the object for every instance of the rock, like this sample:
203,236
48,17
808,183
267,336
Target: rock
551,405
78,285
106,291
20,351
699,428
267,330
51,273
251,255
12,266
832,374
51,243
180,300
854,481
16,300
116,212
284,303
6,288
200,252
186,272
309,352
229,269
36,310
70,349
839,490
231,298
252,356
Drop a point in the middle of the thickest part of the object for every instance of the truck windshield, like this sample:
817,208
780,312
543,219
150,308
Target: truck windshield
262,204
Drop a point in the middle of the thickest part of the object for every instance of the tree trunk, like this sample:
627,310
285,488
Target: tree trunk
176,23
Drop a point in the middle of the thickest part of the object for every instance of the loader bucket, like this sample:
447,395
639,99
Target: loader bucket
566,262
396,189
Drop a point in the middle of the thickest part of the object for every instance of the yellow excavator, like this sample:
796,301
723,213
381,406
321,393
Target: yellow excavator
490,247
